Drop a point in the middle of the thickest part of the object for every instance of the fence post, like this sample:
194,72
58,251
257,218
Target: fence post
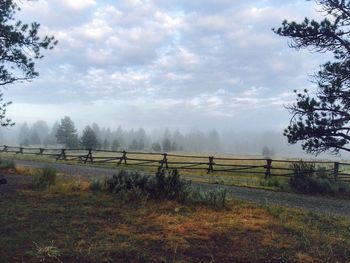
62,155
89,156
20,150
5,148
211,165
268,168
164,161
123,158
336,170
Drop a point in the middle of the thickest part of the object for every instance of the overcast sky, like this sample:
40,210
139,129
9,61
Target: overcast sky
177,63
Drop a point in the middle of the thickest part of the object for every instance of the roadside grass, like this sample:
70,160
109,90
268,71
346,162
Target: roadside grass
224,178
7,164
68,222
258,181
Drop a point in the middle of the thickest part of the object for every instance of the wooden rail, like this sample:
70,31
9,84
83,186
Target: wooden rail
241,166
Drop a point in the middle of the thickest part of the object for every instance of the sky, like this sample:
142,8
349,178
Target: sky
199,64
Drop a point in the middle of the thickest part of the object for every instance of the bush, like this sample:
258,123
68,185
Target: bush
343,187
307,179
97,184
124,181
7,164
168,185
46,177
133,195
214,198
164,185
302,173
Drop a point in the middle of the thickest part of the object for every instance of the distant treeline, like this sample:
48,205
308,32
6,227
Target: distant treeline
64,133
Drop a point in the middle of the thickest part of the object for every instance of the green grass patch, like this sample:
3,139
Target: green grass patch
7,164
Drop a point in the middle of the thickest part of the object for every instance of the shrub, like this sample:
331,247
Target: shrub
7,164
124,181
133,195
301,173
214,198
302,180
321,172
46,177
343,187
307,179
168,185
98,185
164,185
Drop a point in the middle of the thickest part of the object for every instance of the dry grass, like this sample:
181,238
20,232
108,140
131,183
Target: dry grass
242,178
72,224
238,179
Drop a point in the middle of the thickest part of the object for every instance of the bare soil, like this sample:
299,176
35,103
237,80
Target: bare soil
14,182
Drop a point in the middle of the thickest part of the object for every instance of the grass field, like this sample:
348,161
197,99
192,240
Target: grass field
70,223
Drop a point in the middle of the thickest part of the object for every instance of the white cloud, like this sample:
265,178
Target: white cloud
78,4
202,59
97,30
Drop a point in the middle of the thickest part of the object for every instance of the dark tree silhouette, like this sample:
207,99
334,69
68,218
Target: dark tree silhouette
166,145
89,139
20,46
106,144
156,147
115,145
321,120
66,133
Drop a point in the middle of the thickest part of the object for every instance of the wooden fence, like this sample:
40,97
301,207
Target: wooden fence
240,166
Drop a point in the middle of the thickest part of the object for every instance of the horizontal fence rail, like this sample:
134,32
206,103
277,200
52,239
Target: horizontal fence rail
210,164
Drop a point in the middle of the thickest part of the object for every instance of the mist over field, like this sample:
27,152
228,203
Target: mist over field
213,141
147,66
195,66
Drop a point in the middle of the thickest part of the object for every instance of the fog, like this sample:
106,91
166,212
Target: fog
214,141
156,64
207,77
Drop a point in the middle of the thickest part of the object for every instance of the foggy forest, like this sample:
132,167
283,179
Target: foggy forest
40,133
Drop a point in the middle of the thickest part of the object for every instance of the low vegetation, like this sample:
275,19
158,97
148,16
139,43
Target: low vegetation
306,177
309,179
165,185
80,221
7,164
275,183
46,177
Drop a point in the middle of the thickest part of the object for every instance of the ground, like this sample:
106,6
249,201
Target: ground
327,205
70,223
